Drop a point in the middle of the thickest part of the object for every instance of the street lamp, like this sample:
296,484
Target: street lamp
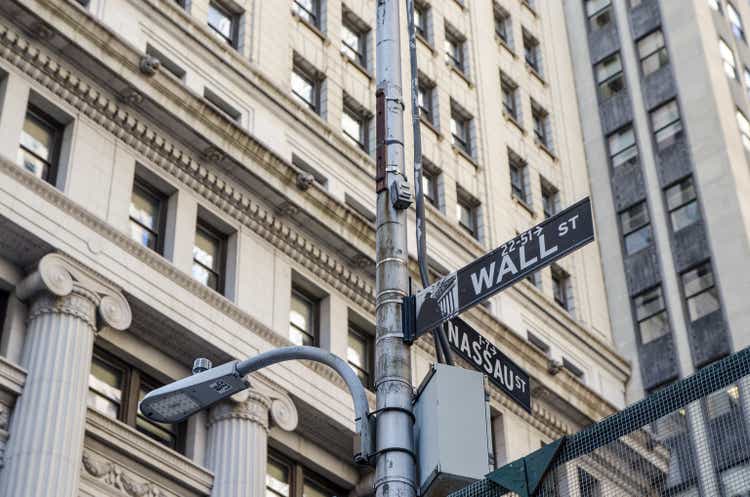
179,400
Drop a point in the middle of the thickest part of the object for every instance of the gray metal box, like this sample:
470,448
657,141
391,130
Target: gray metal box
452,432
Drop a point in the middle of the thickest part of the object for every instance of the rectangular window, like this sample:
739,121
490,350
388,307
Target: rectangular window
537,342
744,126
651,315
430,178
225,107
166,62
306,88
598,13
354,38
667,124
503,25
421,17
636,228
542,125
532,52
622,147
454,49
223,23
550,198
460,129
287,478
682,204
4,295
355,125
303,319
517,167
700,291
209,256
467,212
609,76
652,52
728,60
39,148
561,287
511,99
715,4
360,354
425,99
278,478
308,10
116,388
572,368
736,22
147,215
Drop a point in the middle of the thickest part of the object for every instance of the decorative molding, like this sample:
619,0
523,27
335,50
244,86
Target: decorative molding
305,180
149,65
249,405
119,478
60,276
131,96
283,411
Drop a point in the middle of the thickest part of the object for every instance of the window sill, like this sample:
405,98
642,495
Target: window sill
546,150
514,122
507,47
311,27
462,153
523,204
431,127
357,65
461,74
536,74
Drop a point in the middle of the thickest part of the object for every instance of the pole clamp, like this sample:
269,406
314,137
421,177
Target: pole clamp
409,318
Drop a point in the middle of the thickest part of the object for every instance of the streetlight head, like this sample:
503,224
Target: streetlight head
177,401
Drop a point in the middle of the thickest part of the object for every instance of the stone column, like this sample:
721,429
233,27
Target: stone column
45,445
237,440
707,480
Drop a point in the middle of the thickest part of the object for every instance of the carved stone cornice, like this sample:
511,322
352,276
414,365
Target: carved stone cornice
58,276
116,118
114,475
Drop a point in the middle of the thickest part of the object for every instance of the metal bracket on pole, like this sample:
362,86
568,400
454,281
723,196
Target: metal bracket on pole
409,318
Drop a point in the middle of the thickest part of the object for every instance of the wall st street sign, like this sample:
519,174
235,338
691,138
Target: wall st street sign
495,271
485,357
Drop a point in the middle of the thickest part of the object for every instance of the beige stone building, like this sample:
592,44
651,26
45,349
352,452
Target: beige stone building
222,204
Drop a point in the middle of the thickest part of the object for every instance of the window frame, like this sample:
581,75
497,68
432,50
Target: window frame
633,230
712,288
661,53
56,131
532,48
641,320
592,19
683,204
456,57
730,66
503,25
421,20
314,307
738,29
462,123
509,91
672,137
312,17
466,203
432,194
542,125
520,192
357,114
234,20
369,345
149,190
425,99
299,476
220,272
561,281
358,54
314,82
550,193
623,151
610,80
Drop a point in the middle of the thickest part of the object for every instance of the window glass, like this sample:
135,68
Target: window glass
715,4
39,145
608,67
424,99
622,147
105,388
353,125
560,283
700,291
221,22
277,479
454,51
460,132
727,57
594,6
517,178
736,22
667,124
302,319
531,52
352,43
653,322
420,20
503,26
359,355
649,303
466,216
145,216
207,257
429,186
549,200
652,52
682,204
312,489
307,10
744,125
303,88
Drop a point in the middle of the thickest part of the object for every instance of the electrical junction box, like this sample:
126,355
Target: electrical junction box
452,431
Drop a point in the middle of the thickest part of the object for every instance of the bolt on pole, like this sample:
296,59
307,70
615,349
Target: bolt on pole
395,473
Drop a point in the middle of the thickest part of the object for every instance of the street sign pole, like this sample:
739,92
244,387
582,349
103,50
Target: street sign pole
395,465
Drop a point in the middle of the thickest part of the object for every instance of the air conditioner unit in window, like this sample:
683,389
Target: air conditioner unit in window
603,19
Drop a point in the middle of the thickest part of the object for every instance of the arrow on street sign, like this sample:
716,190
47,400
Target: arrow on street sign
530,251
485,357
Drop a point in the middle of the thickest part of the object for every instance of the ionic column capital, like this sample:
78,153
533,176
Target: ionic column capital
248,405
59,276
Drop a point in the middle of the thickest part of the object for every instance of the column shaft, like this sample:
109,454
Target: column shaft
43,455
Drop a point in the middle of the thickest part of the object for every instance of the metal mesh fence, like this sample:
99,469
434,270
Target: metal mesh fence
689,439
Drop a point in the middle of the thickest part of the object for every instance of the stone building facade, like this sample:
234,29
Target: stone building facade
183,179
663,91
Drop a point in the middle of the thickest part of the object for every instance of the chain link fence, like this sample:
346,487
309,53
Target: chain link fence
689,439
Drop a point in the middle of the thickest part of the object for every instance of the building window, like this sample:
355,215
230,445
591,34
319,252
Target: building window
700,291
517,168
511,98
116,388
538,342
503,25
308,10
747,79
467,213
166,62
653,322
355,122
209,256
599,13
425,99
354,38
303,319
588,486
667,124
286,478
421,17
727,57
223,23
360,354
609,76
4,295
222,105
736,22
573,369
622,147
542,125
652,52
306,88
39,148
147,216
430,179
550,198
715,5
744,126
532,52
636,228
682,204
460,129
454,49
561,287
